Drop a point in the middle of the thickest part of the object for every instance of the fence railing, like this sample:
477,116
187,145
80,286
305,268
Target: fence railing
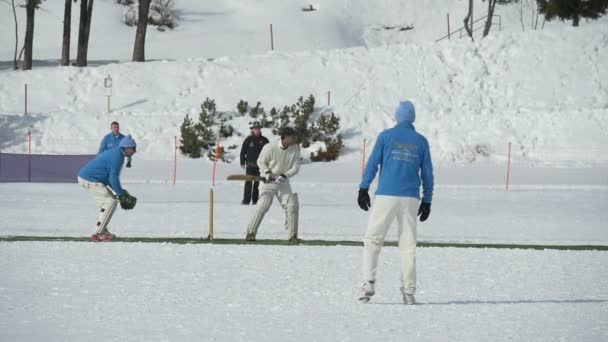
462,31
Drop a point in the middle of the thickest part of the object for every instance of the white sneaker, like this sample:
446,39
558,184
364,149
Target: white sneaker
368,290
408,298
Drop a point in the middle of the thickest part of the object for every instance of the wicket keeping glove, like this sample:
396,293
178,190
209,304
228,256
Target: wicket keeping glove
127,201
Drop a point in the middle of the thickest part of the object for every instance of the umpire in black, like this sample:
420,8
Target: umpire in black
252,146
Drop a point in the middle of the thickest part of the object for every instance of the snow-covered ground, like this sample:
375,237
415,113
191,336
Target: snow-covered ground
166,292
545,91
543,206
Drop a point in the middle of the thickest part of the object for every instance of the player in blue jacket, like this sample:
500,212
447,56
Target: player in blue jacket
112,140
404,160
101,177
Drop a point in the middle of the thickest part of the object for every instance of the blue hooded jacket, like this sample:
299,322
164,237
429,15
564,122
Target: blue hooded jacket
110,141
404,159
105,169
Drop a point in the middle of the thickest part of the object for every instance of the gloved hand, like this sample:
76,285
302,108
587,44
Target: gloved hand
424,211
127,201
268,177
128,163
363,199
281,179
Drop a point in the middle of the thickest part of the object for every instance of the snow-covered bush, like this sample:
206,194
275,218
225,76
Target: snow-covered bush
161,13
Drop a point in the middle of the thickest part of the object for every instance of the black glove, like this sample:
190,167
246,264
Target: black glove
363,199
128,163
127,201
424,211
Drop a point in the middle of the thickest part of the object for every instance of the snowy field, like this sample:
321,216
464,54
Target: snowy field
544,91
543,206
165,292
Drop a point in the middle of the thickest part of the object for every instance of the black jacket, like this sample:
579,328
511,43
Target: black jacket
252,146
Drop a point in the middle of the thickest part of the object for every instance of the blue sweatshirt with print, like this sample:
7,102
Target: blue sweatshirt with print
404,159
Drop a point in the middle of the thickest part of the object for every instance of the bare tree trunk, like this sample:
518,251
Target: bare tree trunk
467,19
30,10
491,7
86,12
140,37
15,65
67,26
576,19
521,14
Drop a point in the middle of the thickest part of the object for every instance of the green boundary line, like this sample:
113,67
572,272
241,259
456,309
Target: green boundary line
179,240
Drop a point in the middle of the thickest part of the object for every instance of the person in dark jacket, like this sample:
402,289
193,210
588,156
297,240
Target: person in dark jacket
252,146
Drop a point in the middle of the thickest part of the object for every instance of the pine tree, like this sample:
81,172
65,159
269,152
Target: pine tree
206,121
257,110
242,107
302,115
190,145
572,9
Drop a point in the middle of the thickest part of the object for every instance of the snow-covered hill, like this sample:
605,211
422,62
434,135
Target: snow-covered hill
544,91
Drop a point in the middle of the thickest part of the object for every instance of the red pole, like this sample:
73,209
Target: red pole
508,167
363,159
25,99
448,25
328,97
29,139
175,162
271,39
217,153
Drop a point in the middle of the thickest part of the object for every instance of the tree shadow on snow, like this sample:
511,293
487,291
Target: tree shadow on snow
522,301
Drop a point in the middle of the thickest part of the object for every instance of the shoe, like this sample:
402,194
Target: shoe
294,239
254,203
250,237
107,232
101,237
368,288
408,298
245,203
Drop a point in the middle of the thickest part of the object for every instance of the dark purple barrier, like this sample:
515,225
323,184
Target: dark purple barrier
41,167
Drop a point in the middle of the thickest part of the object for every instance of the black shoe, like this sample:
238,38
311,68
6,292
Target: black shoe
254,203
245,203
250,237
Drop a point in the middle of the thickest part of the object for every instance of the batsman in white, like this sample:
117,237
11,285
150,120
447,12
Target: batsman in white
278,162
403,156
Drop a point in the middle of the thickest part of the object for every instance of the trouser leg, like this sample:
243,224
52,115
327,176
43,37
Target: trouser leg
247,192
381,217
255,194
106,201
267,194
251,193
292,208
407,225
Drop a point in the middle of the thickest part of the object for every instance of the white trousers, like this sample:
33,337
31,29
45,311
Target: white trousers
384,211
106,201
287,199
